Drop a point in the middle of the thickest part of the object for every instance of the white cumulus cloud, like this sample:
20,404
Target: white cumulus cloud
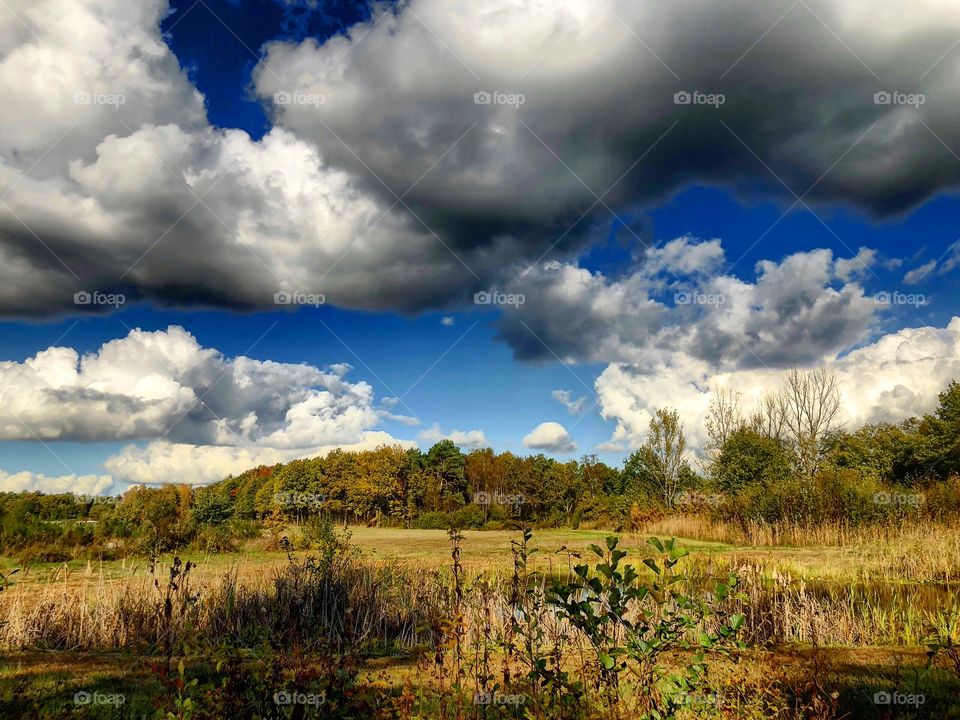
550,436
897,376
77,484
461,438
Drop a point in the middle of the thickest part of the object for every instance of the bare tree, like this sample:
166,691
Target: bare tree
800,414
770,417
665,448
724,417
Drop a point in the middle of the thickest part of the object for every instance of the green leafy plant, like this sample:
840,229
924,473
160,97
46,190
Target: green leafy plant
631,623
528,641
944,644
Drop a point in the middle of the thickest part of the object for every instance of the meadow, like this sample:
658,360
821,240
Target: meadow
392,622
800,571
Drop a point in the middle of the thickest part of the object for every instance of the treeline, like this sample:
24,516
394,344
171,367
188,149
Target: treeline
786,460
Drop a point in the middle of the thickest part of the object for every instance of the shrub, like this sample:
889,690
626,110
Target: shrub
469,516
630,624
433,521
217,539
750,459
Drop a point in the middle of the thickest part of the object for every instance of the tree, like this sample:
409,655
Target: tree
664,453
445,463
211,507
382,482
770,416
158,513
599,479
484,471
938,453
801,413
882,452
812,403
724,418
537,481
749,458
637,484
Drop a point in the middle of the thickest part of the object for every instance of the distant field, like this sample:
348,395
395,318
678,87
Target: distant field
907,558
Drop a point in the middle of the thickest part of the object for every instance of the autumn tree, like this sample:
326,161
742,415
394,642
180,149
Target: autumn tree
484,471
664,453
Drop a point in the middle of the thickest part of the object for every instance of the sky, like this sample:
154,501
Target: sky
236,232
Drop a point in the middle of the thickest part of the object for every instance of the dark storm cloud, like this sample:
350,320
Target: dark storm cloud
428,153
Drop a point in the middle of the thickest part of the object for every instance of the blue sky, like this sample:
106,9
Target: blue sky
710,204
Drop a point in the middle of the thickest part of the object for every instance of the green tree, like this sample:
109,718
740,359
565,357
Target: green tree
938,449
446,465
749,458
211,507
883,452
